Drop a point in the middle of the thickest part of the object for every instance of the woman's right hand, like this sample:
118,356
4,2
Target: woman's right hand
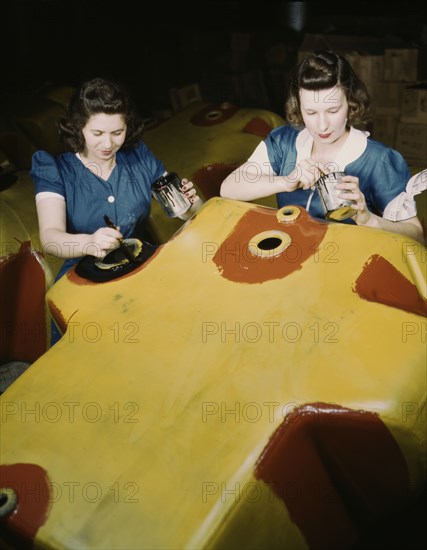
304,175
103,241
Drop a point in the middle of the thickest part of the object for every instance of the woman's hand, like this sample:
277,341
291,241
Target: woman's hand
304,175
189,190
350,190
103,241
410,227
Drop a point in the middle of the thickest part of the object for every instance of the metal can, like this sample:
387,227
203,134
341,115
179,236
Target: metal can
168,191
336,209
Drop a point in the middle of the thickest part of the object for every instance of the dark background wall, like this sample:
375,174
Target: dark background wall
154,47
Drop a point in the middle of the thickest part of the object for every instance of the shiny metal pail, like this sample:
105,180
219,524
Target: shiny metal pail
336,209
167,190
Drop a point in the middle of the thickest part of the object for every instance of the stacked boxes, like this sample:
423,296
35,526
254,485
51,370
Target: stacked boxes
411,135
387,100
409,123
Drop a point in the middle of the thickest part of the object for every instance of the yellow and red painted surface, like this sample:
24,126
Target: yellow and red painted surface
25,276
259,382
204,142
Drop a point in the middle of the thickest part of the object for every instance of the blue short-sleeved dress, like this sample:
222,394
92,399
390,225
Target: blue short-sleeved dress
125,197
383,173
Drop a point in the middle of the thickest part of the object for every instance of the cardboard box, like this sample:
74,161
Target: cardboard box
411,140
401,65
369,68
416,165
384,129
387,97
414,104
182,97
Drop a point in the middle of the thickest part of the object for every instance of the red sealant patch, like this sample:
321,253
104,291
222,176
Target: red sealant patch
336,470
381,282
31,485
236,263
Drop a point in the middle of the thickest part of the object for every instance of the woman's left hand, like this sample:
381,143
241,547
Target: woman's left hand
350,190
189,190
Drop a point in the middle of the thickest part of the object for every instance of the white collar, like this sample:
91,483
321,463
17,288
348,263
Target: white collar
354,147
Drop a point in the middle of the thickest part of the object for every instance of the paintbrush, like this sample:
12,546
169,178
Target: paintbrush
123,246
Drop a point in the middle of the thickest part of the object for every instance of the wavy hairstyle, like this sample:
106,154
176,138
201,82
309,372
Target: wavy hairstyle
99,96
322,70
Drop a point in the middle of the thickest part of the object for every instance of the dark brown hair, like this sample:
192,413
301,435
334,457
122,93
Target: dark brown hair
99,96
322,70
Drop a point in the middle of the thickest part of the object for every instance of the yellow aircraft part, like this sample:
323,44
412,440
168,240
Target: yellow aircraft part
212,134
203,143
25,275
259,373
201,140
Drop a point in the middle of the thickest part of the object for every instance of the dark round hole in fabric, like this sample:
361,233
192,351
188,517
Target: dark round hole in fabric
269,243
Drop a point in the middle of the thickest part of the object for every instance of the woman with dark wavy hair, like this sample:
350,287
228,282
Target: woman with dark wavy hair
108,173
327,111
